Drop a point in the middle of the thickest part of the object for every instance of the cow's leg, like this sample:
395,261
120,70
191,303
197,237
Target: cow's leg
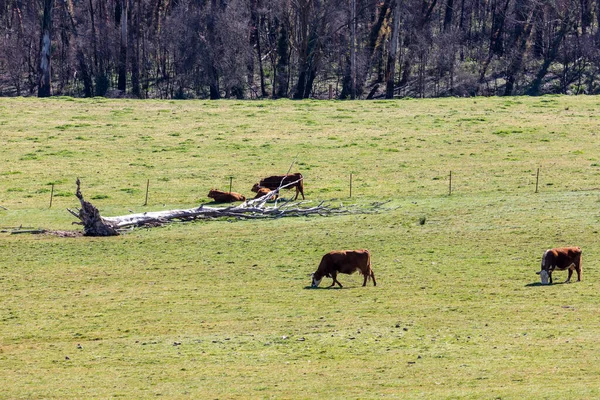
550,277
367,276
333,276
296,193
578,269
570,274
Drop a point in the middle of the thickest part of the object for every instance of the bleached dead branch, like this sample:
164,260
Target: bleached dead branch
96,225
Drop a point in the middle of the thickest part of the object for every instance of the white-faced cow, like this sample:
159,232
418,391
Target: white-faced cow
560,259
345,262
274,182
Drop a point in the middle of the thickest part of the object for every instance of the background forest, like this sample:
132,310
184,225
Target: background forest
346,49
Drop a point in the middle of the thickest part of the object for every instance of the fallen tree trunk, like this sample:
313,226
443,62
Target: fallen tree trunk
96,225
242,211
89,216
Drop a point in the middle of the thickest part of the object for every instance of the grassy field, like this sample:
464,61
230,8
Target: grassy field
222,309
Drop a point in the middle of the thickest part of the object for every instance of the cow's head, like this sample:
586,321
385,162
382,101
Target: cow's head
544,272
255,188
316,280
544,276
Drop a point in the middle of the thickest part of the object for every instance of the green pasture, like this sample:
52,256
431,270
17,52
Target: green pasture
222,309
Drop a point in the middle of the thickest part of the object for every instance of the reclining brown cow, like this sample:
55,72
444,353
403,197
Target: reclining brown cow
274,182
263,192
345,262
560,259
225,197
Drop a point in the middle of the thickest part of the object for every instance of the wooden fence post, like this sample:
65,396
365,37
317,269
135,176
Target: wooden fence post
147,188
51,195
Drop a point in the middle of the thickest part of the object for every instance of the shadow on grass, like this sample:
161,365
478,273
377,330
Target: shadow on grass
537,284
323,287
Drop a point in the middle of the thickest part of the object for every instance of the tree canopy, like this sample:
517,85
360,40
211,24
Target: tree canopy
298,49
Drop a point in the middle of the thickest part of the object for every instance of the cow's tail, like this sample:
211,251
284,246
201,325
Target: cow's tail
369,272
300,186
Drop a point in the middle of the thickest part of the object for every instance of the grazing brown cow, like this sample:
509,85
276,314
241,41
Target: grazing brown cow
263,192
345,262
560,259
274,182
225,197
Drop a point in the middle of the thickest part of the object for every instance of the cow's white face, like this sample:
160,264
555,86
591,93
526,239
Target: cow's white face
544,277
316,282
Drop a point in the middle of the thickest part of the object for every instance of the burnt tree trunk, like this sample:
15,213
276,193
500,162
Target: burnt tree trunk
534,89
448,14
256,21
586,16
135,53
496,41
93,38
373,48
213,73
522,33
283,55
348,84
252,44
353,51
597,12
44,76
122,82
85,71
391,62
304,52
309,52
86,77
261,69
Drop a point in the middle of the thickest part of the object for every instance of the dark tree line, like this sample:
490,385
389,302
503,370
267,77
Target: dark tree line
298,49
